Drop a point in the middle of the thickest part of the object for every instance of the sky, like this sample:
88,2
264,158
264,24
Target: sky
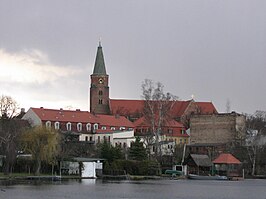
214,50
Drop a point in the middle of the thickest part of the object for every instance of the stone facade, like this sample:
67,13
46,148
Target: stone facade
217,128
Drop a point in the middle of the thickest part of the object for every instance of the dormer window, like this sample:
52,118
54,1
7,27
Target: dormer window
103,127
68,126
95,126
56,125
113,128
48,124
79,126
88,127
122,128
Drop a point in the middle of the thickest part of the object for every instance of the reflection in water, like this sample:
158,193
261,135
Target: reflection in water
88,181
91,188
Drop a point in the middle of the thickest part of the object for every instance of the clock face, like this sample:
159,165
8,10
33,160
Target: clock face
100,81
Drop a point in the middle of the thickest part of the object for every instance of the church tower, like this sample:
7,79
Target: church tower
99,90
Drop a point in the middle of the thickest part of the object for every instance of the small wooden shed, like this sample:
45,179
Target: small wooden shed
198,164
227,165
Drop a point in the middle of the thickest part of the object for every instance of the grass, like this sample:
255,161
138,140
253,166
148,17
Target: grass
14,175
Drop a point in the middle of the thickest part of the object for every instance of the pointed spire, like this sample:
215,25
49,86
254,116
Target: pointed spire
99,66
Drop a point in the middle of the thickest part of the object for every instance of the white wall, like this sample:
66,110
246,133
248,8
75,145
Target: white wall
32,117
89,170
123,134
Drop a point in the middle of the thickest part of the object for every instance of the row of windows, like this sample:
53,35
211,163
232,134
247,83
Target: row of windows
69,126
79,126
108,139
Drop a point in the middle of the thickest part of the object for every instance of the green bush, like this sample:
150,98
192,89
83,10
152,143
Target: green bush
134,167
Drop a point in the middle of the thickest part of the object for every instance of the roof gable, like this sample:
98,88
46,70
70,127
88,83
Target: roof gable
206,107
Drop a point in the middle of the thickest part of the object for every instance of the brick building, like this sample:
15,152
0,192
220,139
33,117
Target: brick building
217,128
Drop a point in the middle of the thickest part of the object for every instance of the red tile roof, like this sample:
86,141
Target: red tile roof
179,108
226,158
130,107
206,107
172,123
125,107
64,115
110,120
81,116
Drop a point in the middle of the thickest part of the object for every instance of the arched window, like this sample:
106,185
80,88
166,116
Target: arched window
100,92
95,126
79,126
48,124
88,127
100,101
68,126
56,125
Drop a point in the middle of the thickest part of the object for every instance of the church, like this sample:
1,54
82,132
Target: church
100,103
109,116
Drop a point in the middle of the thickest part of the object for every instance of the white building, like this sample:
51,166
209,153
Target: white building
121,138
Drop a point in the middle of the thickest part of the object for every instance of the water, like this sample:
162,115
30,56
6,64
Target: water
180,189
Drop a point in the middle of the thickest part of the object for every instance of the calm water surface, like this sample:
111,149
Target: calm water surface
189,189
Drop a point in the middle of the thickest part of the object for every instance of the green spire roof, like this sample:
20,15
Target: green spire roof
99,66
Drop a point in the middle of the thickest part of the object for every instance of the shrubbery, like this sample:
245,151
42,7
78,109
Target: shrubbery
134,167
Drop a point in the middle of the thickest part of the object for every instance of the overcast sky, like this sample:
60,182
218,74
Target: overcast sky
212,49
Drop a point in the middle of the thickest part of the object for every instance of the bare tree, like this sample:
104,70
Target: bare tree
256,137
156,109
9,130
8,107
